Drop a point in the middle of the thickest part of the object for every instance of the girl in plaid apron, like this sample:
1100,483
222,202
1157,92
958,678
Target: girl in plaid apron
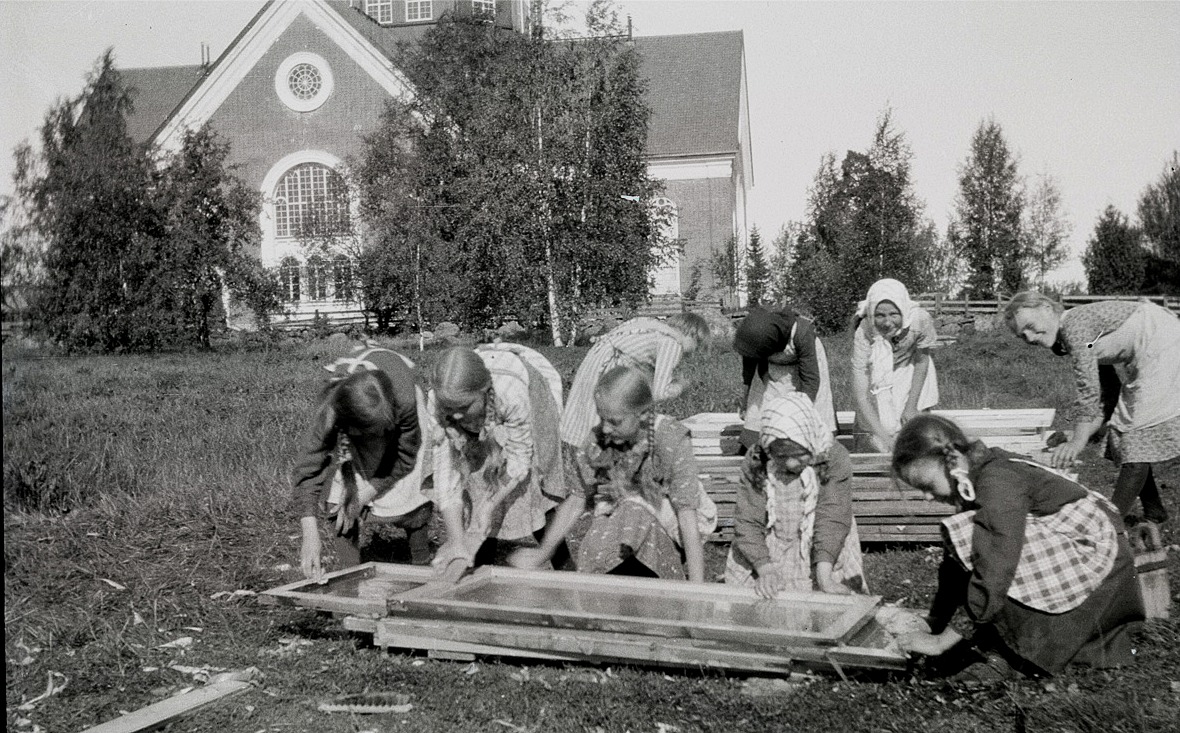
364,447
794,525
1040,564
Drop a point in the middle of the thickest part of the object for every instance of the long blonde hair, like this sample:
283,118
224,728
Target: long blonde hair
460,377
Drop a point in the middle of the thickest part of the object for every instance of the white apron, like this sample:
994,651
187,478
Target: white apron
783,378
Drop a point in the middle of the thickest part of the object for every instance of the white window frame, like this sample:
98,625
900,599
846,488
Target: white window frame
419,11
483,9
283,88
380,11
291,279
280,200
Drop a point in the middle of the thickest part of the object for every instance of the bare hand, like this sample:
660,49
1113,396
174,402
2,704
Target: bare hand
453,549
929,644
920,643
834,587
528,558
769,582
309,557
1065,455
349,512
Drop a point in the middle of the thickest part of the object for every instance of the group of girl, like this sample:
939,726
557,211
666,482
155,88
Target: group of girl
1041,565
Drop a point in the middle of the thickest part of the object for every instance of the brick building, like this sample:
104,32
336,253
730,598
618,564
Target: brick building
305,80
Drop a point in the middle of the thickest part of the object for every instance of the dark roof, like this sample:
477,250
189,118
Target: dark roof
155,93
694,90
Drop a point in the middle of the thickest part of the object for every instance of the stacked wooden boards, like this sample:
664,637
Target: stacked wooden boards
578,617
885,510
1020,431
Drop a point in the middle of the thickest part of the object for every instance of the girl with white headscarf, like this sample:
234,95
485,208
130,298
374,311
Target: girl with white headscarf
893,375
793,529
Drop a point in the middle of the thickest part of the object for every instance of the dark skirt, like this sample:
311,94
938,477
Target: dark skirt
1097,633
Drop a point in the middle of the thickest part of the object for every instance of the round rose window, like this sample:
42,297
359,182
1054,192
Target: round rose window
303,81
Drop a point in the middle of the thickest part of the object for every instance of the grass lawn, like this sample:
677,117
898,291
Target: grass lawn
174,471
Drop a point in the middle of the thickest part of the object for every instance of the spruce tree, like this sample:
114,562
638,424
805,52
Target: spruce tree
757,272
1114,257
88,191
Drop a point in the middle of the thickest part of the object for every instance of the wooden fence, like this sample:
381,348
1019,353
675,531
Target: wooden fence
939,304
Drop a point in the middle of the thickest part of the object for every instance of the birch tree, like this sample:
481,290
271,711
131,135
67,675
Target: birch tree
1045,229
988,211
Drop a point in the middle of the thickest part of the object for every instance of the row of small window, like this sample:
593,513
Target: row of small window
419,10
319,279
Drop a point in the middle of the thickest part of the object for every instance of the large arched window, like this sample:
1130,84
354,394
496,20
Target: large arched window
289,279
317,278
311,200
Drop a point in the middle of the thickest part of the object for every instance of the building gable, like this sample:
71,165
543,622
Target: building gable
252,45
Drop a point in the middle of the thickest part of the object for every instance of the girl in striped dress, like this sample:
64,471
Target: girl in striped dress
1041,565
651,346
638,473
497,467
793,529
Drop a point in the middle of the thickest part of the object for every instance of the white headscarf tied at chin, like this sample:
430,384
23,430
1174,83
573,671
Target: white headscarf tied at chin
881,350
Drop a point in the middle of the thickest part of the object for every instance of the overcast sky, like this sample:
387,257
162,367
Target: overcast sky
1087,92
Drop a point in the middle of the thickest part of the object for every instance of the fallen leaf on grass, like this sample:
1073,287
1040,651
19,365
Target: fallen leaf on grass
56,683
240,593
665,728
136,619
767,686
1175,686
150,669
282,567
113,584
287,646
184,642
471,668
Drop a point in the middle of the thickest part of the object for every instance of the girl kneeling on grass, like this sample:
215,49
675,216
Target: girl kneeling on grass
893,375
1041,565
498,469
794,510
638,472
369,420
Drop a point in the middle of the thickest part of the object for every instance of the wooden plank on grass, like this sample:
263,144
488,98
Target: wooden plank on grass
360,591
170,709
646,606
869,649
571,645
